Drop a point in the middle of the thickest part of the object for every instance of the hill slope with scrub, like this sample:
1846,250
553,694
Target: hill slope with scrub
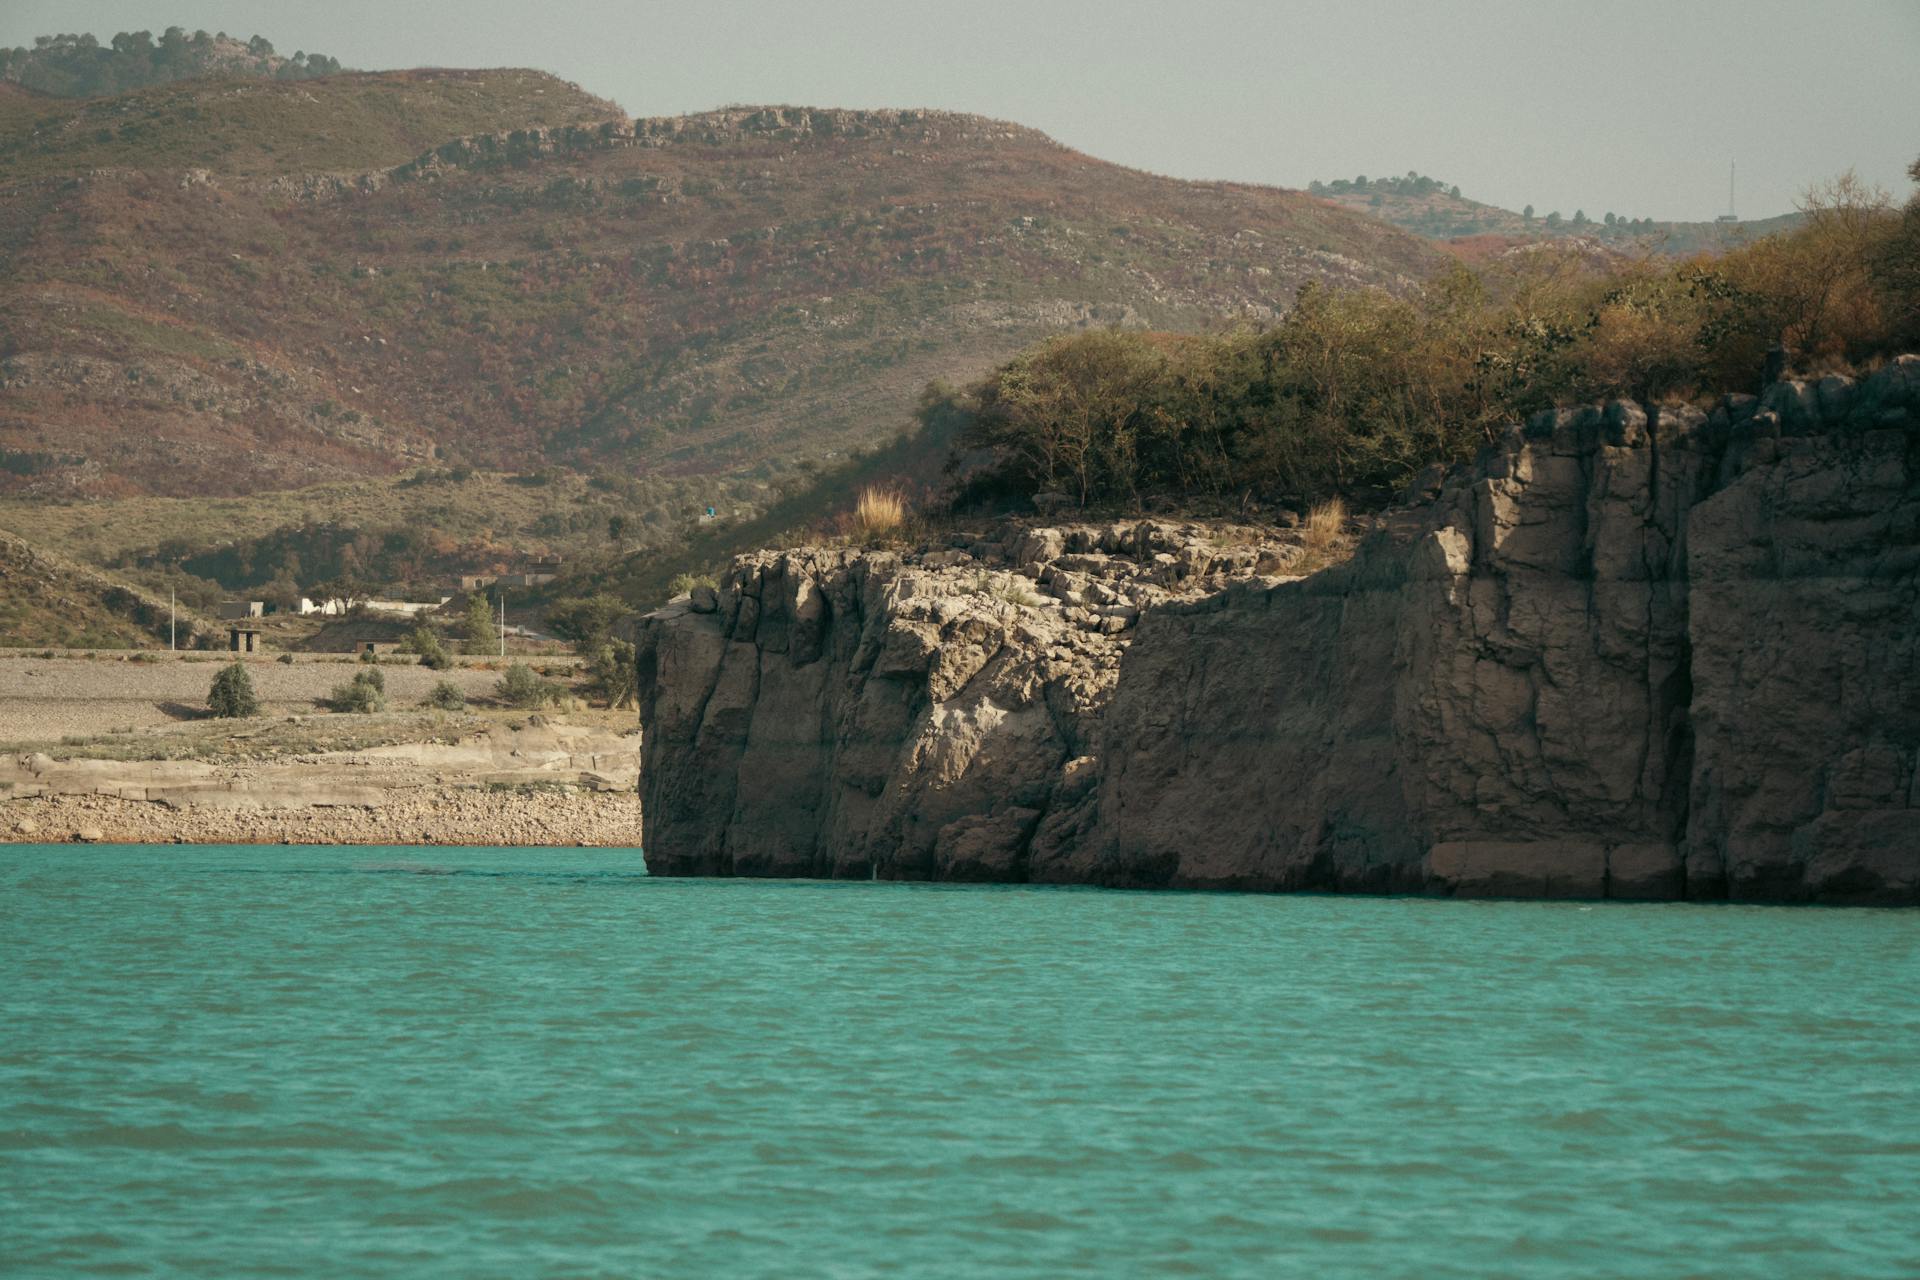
219,286
1474,229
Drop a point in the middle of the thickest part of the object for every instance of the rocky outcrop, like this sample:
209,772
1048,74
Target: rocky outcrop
1633,652
709,128
839,713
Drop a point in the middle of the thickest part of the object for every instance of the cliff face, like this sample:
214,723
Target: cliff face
1633,652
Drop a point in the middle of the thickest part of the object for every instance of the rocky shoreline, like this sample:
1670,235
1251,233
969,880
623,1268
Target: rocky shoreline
1634,651
533,782
536,818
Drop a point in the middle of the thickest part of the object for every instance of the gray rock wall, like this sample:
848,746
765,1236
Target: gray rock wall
1633,652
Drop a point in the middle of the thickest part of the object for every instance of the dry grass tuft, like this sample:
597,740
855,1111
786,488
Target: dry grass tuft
1323,537
879,515
1326,525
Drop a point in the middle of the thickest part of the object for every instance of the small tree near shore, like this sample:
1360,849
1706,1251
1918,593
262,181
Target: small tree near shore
232,696
615,674
477,626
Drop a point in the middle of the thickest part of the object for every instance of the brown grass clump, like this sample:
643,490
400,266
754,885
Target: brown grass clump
1323,536
879,515
1326,525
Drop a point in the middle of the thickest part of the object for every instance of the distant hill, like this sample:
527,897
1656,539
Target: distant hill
1435,210
79,65
230,287
349,122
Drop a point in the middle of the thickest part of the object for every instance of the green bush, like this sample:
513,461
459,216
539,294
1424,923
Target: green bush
446,696
232,696
520,687
425,641
365,693
685,582
614,674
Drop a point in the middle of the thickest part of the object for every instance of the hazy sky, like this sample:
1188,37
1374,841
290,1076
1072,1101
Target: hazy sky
1635,106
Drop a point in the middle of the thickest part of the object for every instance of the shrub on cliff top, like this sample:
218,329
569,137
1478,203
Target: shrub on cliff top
232,696
1354,390
684,583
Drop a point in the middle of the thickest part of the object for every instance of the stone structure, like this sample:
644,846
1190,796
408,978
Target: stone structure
1633,652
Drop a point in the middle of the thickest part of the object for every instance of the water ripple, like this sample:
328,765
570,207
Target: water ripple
289,1062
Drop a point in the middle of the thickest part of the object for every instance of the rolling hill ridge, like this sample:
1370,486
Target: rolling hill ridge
257,285
1475,230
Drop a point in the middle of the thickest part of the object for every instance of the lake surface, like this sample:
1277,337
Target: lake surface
242,1062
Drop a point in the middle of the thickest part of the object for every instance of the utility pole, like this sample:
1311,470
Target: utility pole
1732,214
503,622
173,622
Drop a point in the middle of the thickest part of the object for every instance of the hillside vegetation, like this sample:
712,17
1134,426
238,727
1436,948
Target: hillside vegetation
1353,392
1428,207
48,599
405,534
342,124
260,335
78,65
718,294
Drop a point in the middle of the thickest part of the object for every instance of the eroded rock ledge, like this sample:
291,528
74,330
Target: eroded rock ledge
1633,651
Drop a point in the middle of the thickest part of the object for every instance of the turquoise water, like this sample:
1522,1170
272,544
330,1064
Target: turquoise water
236,1062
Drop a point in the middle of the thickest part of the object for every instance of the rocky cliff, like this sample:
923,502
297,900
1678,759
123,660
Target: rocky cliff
1634,651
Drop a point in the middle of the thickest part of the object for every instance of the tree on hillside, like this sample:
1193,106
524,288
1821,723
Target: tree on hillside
1074,411
1553,219
1527,213
1824,288
78,66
